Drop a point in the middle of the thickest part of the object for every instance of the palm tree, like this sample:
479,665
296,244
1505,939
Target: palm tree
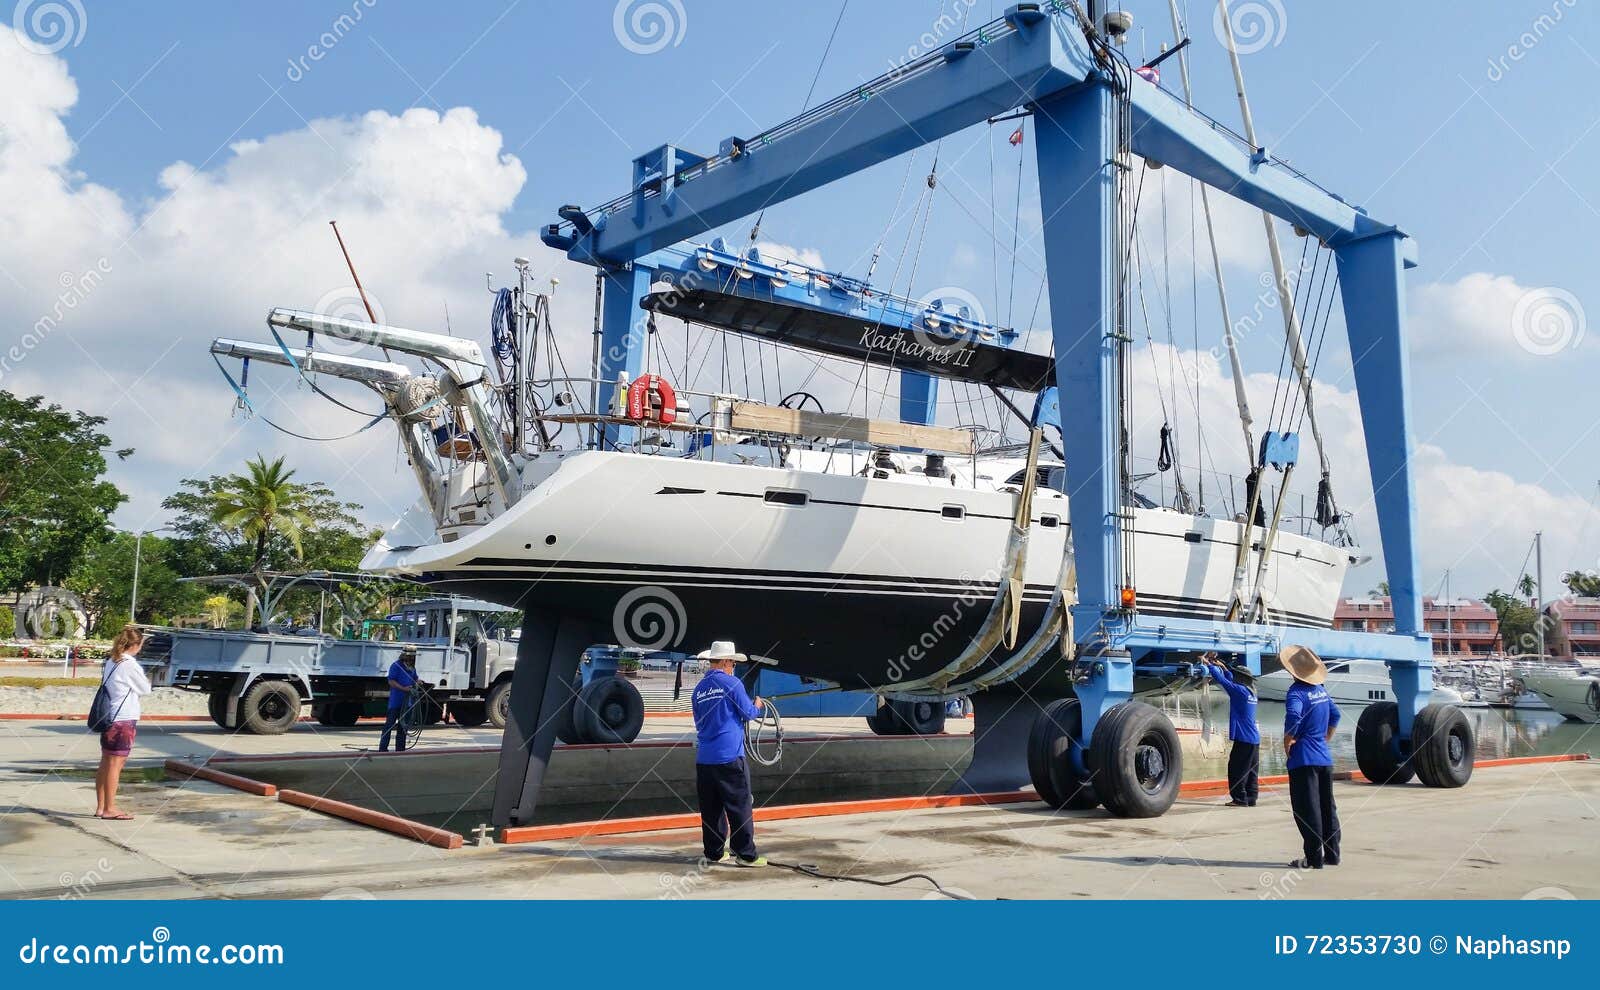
259,504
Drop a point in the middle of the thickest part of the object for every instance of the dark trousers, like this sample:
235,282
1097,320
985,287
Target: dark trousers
397,721
1244,764
1311,797
726,809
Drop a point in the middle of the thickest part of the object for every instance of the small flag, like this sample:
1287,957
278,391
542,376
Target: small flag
1016,136
1151,74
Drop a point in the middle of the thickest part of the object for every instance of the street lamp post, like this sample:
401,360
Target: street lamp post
138,549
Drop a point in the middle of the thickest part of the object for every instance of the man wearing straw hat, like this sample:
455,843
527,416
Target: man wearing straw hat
721,708
1309,718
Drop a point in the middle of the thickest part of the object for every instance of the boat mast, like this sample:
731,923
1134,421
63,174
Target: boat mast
1291,319
1538,587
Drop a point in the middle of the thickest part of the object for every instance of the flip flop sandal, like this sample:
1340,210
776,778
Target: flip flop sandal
124,817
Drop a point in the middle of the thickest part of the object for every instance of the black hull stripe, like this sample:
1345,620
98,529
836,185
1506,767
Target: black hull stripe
1168,605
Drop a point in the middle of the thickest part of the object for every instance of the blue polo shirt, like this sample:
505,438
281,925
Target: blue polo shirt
721,708
400,674
1308,714
1241,706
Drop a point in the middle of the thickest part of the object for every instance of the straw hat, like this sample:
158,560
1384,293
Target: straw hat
1303,664
721,650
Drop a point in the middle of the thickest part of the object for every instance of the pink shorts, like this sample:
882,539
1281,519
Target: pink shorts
118,740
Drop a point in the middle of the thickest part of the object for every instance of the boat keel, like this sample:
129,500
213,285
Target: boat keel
541,692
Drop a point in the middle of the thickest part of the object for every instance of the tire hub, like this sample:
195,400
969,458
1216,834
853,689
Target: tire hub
1457,749
613,713
1150,767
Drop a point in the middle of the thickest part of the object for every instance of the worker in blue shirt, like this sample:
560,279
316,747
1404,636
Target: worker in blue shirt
727,810
402,685
1244,758
1309,719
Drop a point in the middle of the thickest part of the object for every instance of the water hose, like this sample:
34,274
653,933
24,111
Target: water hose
758,727
810,870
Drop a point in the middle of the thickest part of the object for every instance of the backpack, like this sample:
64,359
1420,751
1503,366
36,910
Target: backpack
101,717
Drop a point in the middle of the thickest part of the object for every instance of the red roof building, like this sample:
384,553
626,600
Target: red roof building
1573,628
1462,628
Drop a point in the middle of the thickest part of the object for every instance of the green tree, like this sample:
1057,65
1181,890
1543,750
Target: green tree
263,520
103,582
54,498
1519,629
1585,584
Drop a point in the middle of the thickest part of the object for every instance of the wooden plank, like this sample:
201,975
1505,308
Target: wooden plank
755,417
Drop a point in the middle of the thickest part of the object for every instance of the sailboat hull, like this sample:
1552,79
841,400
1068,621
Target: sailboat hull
863,581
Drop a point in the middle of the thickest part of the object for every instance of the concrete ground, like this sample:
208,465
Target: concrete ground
1513,832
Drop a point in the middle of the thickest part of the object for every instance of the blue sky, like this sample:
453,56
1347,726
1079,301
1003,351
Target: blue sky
1470,125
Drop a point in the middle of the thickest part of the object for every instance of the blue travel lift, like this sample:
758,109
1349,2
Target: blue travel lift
1037,56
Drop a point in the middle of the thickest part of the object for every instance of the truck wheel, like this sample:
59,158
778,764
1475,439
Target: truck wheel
469,713
1442,746
429,712
608,710
341,714
1378,745
1050,757
883,722
1136,761
217,707
499,704
567,729
269,708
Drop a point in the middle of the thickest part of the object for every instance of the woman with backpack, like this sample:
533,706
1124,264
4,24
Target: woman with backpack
122,684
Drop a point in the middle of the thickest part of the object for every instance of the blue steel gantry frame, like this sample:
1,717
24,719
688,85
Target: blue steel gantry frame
1036,57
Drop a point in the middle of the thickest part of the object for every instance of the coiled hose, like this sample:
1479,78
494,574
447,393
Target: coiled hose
758,727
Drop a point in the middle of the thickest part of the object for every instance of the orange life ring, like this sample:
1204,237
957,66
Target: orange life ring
645,388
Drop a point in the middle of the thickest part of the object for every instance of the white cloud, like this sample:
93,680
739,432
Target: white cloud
1470,316
772,251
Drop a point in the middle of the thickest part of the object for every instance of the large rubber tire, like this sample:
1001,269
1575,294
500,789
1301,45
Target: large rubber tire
1136,761
1050,757
339,714
269,708
608,710
920,718
499,704
1378,750
567,729
469,713
217,708
1443,746
883,722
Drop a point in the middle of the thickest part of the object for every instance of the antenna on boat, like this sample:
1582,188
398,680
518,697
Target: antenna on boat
352,266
